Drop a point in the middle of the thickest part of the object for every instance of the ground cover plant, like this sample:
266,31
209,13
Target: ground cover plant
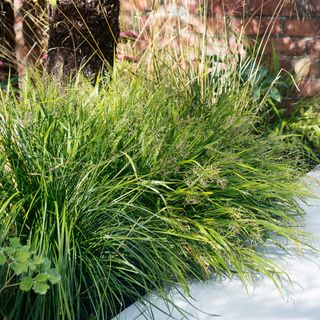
136,184
302,125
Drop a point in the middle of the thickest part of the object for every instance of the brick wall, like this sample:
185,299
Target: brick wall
291,27
296,38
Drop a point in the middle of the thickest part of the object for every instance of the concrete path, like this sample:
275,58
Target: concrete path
229,300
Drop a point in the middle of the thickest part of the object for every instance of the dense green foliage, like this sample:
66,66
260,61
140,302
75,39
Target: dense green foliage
302,125
137,185
34,271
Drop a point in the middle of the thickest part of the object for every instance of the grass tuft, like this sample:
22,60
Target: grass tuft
135,185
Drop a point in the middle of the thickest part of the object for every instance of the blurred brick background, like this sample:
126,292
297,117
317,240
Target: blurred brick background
291,28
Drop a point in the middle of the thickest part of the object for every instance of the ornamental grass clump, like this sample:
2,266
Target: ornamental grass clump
136,185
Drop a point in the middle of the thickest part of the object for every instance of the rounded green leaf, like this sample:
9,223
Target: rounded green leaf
41,277
54,276
15,243
46,264
22,256
26,284
275,94
38,260
32,266
40,287
3,258
19,267
10,251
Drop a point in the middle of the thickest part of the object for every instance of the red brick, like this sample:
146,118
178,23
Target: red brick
231,7
216,25
193,6
257,26
310,87
195,24
216,10
315,70
302,66
272,8
287,46
143,5
286,63
128,7
314,47
305,28
306,67
313,7
309,68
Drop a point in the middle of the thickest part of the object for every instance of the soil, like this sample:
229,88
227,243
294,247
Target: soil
6,37
83,34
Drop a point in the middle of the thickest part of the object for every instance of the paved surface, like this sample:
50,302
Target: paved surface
230,300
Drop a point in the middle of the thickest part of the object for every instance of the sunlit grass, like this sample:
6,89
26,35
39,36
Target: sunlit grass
162,175
136,184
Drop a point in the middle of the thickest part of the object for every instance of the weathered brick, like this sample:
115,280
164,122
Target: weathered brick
217,25
259,26
143,5
306,67
315,70
231,7
310,28
193,6
289,8
310,87
296,40
312,8
272,8
215,8
286,63
287,46
314,47
128,7
302,66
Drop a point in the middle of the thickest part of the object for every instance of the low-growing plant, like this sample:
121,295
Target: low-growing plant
264,85
302,125
22,269
34,271
135,185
